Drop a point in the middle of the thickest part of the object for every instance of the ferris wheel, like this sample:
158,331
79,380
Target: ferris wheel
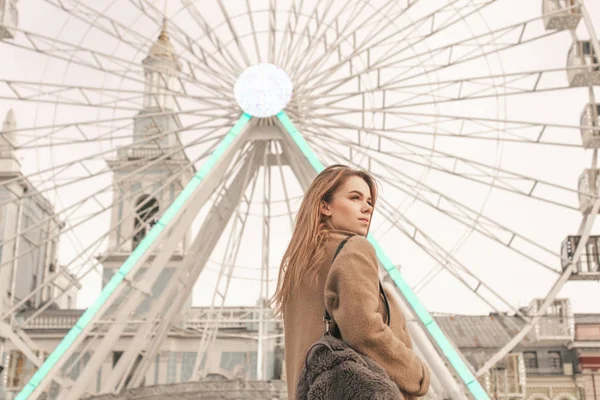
174,140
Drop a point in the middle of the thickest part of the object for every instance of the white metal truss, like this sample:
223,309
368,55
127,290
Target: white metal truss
173,235
168,307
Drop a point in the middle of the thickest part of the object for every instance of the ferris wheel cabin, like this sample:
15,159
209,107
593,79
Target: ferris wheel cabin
582,63
588,189
9,18
558,322
587,268
590,130
561,14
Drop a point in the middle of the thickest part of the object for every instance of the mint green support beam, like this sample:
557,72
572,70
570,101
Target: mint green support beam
436,333
133,258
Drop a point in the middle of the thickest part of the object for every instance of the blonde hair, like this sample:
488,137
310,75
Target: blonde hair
306,248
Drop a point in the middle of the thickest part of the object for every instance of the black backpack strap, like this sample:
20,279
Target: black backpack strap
327,317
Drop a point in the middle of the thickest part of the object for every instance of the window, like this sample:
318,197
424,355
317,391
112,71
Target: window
116,356
187,365
239,363
554,360
156,369
146,209
172,367
530,358
69,302
16,370
72,366
99,379
20,369
229,360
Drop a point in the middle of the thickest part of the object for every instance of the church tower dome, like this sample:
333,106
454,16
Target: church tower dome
162,54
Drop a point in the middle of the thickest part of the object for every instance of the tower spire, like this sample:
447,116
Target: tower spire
164,32
163,52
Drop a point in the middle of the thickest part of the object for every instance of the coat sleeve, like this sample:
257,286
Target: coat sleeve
352,299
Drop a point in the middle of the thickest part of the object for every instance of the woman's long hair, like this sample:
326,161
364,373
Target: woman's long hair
306,248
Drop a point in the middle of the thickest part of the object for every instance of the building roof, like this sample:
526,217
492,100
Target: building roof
482,331
587,318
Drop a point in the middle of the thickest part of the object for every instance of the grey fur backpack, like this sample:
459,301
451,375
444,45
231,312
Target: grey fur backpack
334,371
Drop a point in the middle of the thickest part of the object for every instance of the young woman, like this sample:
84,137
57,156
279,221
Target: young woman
339,204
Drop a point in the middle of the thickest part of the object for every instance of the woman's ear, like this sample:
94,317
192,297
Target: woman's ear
325,209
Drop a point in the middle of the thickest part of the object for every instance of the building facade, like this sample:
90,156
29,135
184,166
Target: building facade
29,236
149,174
546,365
586,348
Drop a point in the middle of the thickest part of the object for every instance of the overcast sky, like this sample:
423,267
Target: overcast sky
416,149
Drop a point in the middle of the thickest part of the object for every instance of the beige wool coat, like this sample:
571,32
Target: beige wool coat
350,289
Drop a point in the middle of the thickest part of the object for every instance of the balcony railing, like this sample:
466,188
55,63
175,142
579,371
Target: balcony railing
196,318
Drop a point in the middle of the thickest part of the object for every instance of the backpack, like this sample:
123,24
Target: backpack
334,371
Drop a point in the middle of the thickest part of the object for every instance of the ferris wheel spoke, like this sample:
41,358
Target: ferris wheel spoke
95,60
458,89
144,165
272,30
358,49
472,222
472,127
286,195
488,171
233,66
384,60
482,179
306,32
254,33
147,140
103,208
92,259
36,91
233,31
434,98
308,73
108,136
321,35
206,56
469,129
447,54
72,96
288,33
445,259
295,50
473,215
474,46
81,127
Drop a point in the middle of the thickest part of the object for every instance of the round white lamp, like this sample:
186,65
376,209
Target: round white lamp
263,90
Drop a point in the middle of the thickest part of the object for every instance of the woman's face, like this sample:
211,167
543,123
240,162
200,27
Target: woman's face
350,209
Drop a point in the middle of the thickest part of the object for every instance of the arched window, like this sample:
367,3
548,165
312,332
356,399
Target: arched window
555,360
530,358
146,208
